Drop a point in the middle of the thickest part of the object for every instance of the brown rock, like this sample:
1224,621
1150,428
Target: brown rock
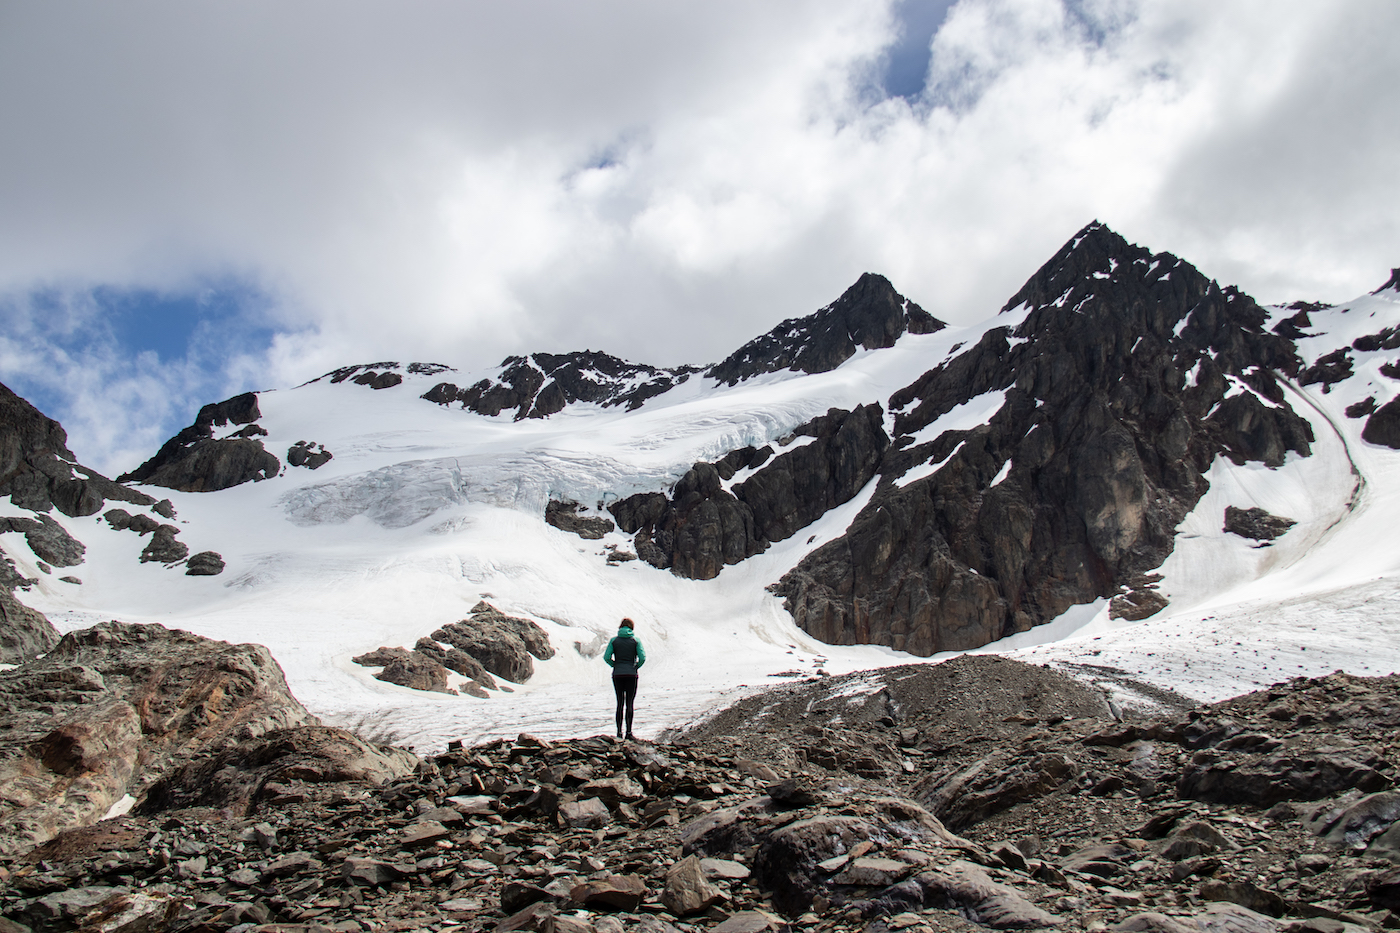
687,892
615,892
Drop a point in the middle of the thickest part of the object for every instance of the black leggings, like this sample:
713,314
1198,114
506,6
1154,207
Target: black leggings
625,686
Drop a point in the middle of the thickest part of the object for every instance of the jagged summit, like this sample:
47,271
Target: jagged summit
870,315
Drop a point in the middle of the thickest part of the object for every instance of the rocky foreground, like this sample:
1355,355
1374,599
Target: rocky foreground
979,793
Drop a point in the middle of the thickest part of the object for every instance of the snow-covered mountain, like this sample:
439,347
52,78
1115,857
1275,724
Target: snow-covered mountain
854,488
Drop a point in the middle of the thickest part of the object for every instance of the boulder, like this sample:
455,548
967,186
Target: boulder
234,777
1264,780
615,892
687,892
110,708
416,671
965,888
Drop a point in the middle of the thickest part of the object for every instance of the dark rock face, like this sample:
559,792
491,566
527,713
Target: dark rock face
1383,427
703,526
1255,523
563,514
194,461
38,472
1115,405
47,539
869,315
541,384
112,707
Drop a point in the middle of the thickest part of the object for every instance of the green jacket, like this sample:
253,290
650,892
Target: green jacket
620,657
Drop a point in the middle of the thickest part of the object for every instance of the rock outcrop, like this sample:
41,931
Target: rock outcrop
870,315
111,708
541,384
1122,375
308,454
489,642
564,514
1255,523
195,461
708,523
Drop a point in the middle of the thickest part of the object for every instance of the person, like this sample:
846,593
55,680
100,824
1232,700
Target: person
625,655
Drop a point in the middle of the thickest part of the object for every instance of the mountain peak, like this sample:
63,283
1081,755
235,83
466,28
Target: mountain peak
1393,283
869,315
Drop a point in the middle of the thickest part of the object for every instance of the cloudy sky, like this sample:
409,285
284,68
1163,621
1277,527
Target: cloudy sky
197,199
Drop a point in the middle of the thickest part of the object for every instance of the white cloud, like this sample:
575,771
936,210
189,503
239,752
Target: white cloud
461,181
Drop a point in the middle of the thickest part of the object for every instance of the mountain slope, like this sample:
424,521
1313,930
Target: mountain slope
931,488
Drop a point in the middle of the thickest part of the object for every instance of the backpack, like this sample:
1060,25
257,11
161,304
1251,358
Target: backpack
624,650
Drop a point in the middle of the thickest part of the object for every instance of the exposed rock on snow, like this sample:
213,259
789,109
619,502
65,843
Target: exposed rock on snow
163,547
564,515
111,708
47,539
308,454
204,564
24,632
541,384
1255,523
1383,427
489,642
194,461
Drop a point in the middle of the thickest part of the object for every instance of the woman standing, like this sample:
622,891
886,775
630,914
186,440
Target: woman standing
625,656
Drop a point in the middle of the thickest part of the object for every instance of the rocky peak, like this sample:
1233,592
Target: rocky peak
1392,283
869,315
1128,374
